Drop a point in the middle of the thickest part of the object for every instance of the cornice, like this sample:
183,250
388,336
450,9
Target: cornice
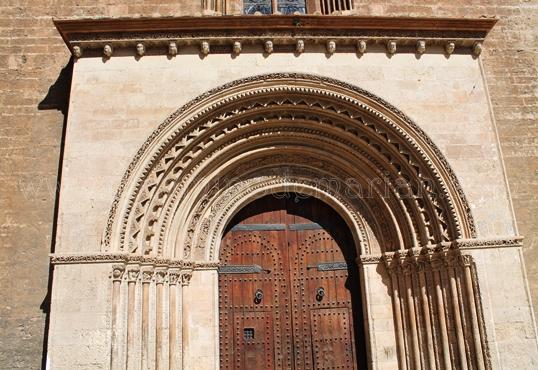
89,36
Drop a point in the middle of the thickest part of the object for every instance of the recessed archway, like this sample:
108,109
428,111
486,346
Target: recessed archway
370,157
313,135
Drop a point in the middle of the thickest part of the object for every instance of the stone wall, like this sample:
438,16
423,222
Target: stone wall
34,80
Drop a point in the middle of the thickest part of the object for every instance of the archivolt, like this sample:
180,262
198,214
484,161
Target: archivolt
265,133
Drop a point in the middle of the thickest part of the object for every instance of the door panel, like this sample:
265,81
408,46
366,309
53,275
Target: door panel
331,333
299,257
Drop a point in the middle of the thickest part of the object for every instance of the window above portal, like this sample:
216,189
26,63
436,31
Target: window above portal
267,6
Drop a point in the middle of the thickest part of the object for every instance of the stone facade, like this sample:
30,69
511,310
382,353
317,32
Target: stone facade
33,56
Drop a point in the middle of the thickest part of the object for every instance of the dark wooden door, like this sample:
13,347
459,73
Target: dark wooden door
289,294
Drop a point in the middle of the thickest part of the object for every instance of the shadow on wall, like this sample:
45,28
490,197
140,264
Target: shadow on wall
57,98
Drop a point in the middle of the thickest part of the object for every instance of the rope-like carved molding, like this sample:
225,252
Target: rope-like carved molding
131,259
187,129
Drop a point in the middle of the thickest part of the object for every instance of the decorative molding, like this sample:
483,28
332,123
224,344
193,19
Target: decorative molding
131,259
502,242
337,106
157,33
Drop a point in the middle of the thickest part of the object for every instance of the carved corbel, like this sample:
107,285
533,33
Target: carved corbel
236,48
172,49
331,47
361,46
107,51
77,51
140,49
299,46
450,47
391,47
268,46
421,47
477,49
204,48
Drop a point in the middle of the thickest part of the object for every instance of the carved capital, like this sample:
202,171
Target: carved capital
147,275
117,272
186,276
465,260
452,259
160,276
409,266
423,264
173,277
132,275
437,262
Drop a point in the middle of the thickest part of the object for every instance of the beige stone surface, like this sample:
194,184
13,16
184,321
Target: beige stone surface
116,105
33,55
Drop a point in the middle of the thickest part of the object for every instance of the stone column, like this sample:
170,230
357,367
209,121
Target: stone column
423,266
117,275
457,312
160,276
173,350
408,268
147,275
132,277
466,261
185,279
437,265
394,269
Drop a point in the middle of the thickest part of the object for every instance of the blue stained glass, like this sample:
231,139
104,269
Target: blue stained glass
253,6
290,6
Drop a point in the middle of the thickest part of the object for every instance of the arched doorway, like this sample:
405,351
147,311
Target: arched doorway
289,289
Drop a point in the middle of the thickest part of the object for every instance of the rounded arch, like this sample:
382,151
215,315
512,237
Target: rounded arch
382,171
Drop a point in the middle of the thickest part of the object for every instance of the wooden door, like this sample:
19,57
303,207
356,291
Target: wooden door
289,294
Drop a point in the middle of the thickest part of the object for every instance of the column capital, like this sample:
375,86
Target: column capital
117,272
132,274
